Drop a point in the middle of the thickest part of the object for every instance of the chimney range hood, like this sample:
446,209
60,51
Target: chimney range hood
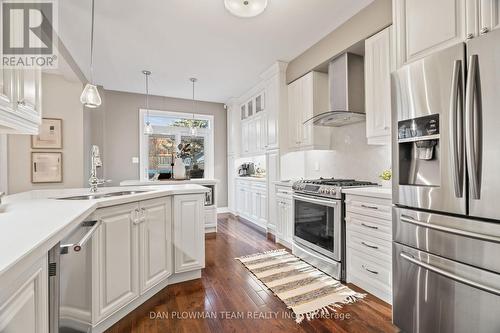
347,92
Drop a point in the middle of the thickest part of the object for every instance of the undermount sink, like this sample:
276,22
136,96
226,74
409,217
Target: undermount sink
101,195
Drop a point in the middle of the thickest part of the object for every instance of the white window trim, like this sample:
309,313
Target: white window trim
143,142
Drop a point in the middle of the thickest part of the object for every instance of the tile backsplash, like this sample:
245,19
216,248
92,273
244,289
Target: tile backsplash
351,157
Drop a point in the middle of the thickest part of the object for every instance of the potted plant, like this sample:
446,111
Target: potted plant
386,177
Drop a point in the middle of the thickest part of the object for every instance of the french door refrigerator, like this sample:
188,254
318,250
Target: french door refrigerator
446,190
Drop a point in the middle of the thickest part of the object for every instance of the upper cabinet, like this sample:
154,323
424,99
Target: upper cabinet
307,97
378,87
20,100
425,26
255,129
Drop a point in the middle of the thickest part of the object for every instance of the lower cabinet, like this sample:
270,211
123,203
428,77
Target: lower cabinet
252,201
284,206
115,255
189,233
155,239
140,245
24,302
368,245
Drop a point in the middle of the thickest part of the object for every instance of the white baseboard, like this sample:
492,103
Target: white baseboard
222,210
210,229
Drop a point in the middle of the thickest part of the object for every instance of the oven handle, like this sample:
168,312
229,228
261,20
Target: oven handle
329,203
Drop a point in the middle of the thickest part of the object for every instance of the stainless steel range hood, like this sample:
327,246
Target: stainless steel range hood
347,92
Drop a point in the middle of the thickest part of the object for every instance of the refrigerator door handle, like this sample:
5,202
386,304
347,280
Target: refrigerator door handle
449,275
457,146
472,120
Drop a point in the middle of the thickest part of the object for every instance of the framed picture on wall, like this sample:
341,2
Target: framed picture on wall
46,167
49,136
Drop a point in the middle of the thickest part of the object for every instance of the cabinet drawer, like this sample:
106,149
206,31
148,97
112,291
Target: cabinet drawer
376,247
369,273
376,207
370,226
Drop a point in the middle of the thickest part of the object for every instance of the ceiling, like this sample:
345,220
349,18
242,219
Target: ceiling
178,39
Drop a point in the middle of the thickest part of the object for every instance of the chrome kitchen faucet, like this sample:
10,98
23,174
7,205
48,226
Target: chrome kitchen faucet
95,163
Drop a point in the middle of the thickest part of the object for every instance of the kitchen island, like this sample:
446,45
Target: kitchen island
142,242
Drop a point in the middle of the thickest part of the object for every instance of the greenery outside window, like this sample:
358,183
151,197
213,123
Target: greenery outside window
171,129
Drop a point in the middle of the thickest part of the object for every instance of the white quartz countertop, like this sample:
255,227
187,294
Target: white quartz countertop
288,183
138,182
33,222
253,179
375,191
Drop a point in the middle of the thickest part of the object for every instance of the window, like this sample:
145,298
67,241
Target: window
171,129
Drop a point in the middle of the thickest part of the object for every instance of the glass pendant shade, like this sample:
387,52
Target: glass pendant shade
148,128
245,8
90,96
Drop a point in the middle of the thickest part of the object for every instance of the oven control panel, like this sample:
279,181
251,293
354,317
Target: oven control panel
317,190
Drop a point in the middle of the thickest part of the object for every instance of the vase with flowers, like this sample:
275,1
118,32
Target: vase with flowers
386,178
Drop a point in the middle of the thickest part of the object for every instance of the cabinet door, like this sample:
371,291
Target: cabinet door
24,302
189,232
489,15
425,26
288,221
272,116
263,209
245,137
306,111
272,174
243,112
115,260
378,87
6,87
293,106
155,235
279,218
263,133
241,199
255,137
29,91
248,201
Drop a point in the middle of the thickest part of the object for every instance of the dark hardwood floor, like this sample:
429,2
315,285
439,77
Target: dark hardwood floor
227,292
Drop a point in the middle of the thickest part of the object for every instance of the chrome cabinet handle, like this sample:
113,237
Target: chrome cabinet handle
369,226
369,207
135,217
370,246
369,270
77,247
470,35
21,102
484,30
457,147
472,128
449,275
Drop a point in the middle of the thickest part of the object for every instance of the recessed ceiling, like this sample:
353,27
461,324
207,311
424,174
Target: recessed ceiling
179,39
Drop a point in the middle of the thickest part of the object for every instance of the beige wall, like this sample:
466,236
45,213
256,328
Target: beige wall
60,99
367,22
118,120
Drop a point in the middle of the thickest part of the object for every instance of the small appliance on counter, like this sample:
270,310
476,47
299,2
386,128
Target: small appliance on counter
246,170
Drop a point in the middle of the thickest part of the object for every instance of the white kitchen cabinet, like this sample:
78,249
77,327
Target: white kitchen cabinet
24,302
272,175
284,204
20,100
425,26
368,244
252,201
115,267
189,236
155,239
307,97
378,87
245,138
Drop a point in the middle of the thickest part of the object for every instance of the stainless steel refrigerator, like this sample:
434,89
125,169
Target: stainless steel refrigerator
446,190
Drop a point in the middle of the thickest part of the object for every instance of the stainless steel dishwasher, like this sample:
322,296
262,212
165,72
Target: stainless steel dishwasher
70,281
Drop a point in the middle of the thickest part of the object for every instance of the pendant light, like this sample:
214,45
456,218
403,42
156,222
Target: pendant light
148,128
90,95
246,8
194,130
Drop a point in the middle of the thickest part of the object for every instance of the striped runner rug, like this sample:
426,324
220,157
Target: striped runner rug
307,291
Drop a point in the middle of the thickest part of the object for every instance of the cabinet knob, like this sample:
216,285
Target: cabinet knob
21,102
470,35
484,30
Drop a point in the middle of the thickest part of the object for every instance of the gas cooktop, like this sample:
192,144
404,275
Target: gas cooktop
327,187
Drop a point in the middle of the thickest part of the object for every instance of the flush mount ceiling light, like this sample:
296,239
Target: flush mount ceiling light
90,95
245,8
